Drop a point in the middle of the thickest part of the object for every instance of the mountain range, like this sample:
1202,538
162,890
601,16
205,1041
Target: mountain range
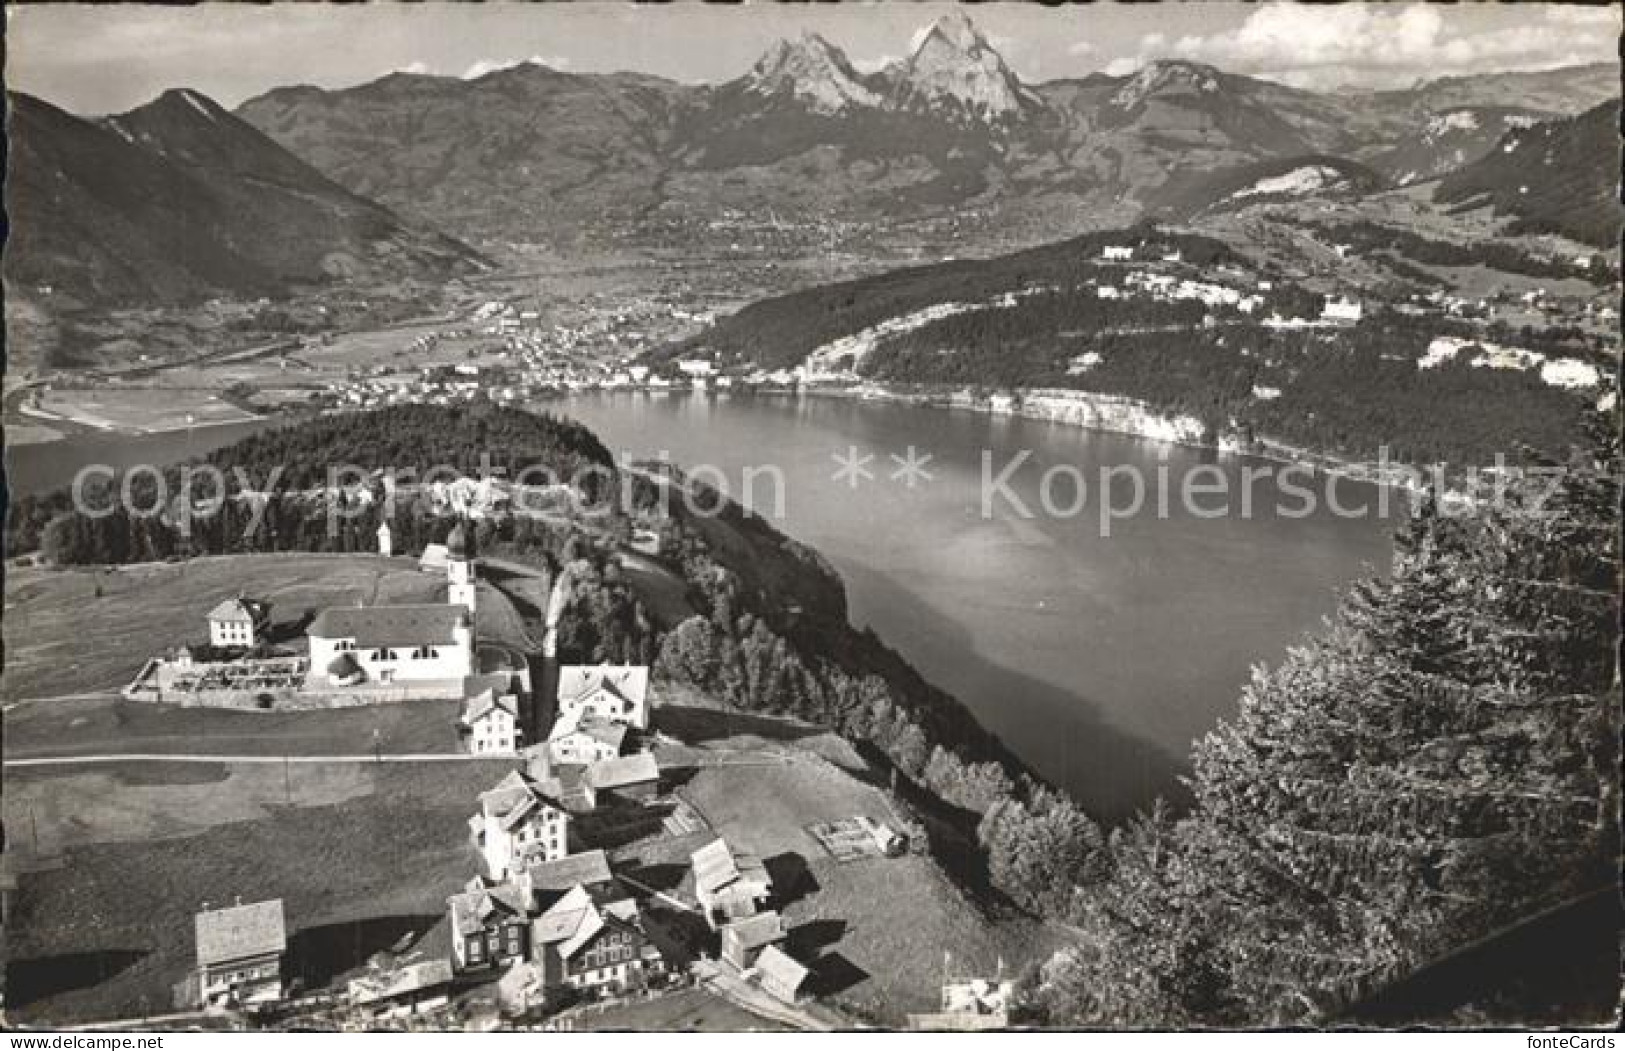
179,200
533,153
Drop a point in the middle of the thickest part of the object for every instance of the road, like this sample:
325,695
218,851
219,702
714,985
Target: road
161,757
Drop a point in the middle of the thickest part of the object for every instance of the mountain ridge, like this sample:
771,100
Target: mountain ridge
180,199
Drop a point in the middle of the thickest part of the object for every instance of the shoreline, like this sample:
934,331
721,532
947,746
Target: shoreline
1014,404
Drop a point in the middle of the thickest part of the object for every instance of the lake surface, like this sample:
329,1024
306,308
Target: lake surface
1097,658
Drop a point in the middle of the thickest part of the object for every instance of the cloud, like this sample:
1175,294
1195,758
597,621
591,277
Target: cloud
1082,47
415,68
1382,45
486,66
1582,14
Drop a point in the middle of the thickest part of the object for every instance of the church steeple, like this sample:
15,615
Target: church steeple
460,572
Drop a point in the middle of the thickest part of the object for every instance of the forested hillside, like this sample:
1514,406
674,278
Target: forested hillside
781,331
1438,764
1559,177
281,476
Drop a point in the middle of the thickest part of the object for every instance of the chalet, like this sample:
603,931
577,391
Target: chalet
238,623
633,777
490,925
743,940
586,944
417,988
729,885
490,722
614,693
392,644
781,975
239,954
518,823
582,738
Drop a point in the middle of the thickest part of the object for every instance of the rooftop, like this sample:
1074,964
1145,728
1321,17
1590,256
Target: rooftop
716,865
574,870
240,932
778,965
482,704
409,979
764,928
630,681
575,720
240,611
624,770
391,625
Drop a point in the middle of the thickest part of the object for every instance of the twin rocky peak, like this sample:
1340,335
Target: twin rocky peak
953,72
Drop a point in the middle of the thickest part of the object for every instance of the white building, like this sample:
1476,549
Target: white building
491,721
611,692
581,738
696,367
238,622
380,645
239,954
386,541
1117,253
1342,311
518,824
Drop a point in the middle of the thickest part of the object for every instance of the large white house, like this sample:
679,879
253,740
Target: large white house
518,824
380,645
617,693
238,622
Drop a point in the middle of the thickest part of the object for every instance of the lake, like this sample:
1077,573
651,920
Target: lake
1097,658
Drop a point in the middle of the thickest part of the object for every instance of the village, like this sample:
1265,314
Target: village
514,356
547,924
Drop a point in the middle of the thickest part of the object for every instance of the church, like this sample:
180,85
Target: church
386,645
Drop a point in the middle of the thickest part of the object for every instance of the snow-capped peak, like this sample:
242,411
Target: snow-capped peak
812,70
1168,75
954,63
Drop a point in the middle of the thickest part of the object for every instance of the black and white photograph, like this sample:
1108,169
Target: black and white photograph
826,518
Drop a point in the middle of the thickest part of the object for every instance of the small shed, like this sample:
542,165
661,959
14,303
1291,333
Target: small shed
781,975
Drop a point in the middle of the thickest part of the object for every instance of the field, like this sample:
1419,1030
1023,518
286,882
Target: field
109,726
365,854
78,631
140,410
878,928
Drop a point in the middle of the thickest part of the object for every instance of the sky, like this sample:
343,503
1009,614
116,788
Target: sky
104,59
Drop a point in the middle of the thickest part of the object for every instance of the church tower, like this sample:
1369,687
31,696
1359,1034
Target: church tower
386,542
460,566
